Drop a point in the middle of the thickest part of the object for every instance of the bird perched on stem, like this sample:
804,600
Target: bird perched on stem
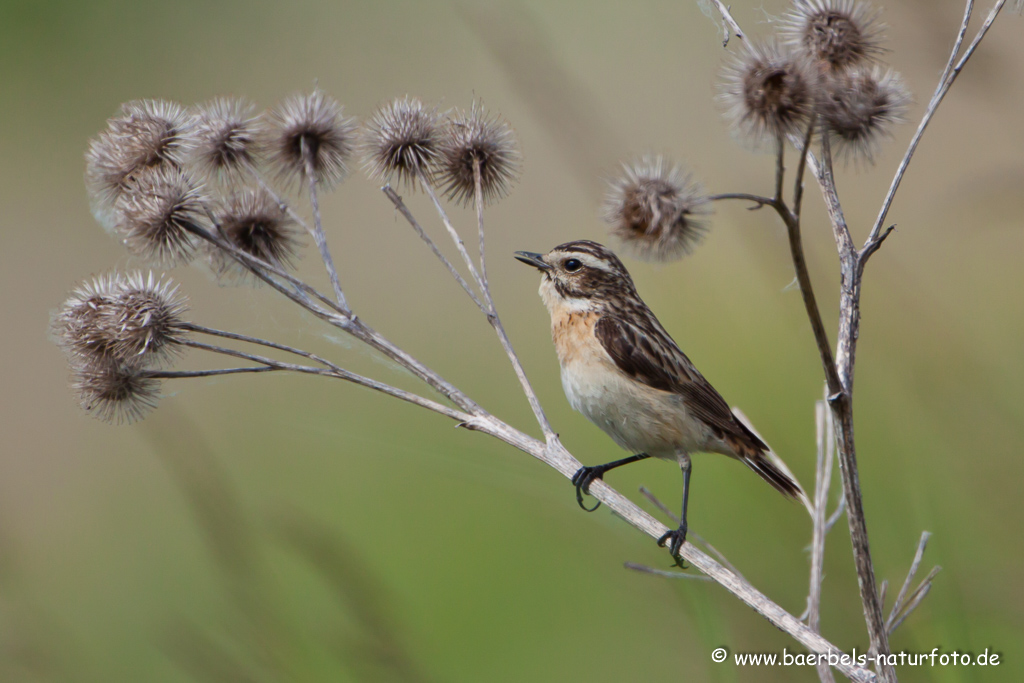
622,370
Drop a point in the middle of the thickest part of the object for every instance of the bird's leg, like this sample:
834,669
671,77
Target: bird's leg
585,476
676,537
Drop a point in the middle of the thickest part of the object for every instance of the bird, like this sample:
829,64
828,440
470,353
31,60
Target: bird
626,374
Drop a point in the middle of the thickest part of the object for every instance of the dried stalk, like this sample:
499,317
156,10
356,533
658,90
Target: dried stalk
823,480
404,210
318,230
730,24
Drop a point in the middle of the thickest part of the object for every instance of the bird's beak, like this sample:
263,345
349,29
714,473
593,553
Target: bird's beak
532,259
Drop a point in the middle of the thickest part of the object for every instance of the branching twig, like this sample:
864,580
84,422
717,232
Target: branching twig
318,230
730,23
952,70
644,569
404,210
823,480
905,604
452,232
492,313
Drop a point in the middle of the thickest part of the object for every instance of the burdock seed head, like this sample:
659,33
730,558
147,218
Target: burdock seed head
474,137
255,223
858,108
147,133
401,139
147,318
836,34
114,393
121,320
157,212
655,209
768,92
227,137
310,126
77,327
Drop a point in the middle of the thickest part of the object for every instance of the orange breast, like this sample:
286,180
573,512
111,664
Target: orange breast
573,334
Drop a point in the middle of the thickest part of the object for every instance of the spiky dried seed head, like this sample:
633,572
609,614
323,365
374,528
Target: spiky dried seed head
121,320
147,318
835,34
227,138
113,392
255,223
767,92
146,133
157,212
310,124
77,326
655,209
474,137
859,107
401,139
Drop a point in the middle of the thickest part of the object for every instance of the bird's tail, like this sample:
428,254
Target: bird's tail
771,473
755,454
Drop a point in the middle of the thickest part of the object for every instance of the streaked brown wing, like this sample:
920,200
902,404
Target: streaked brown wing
653,358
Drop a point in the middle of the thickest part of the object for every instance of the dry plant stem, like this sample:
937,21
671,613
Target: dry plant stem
780,168
840,509
646,493
915,598
905,604
644,569
729,21
555,455
492,313
822,482
318,230
841,404
192,327
953,69
178,374
792,222
336,372
452,232
798,181
345,321
404,210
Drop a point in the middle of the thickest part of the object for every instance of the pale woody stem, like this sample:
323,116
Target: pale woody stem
492,315
318,230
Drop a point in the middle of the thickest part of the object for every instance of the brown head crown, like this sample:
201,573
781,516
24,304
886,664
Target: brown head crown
583,270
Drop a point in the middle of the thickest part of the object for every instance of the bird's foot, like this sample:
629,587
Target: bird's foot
584,477
675,540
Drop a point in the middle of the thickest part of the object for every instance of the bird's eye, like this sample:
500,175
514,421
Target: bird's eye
572,265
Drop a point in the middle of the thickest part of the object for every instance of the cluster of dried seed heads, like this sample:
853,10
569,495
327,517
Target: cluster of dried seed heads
174,182
825,70
415,144
114,330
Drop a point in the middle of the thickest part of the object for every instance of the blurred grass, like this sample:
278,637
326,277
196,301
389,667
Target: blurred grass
479,556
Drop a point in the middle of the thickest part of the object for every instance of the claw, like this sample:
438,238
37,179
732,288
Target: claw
584,477
677,537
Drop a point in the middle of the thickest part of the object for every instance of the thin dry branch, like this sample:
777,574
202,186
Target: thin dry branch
318,231
492,312
452,232
823,479
730,24
952,70
404,210
905,604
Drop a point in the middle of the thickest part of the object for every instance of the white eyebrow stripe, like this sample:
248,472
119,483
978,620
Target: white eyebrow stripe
594,262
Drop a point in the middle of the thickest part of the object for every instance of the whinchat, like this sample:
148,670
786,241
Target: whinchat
623,371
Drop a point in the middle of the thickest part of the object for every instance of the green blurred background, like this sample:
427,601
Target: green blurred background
278,528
